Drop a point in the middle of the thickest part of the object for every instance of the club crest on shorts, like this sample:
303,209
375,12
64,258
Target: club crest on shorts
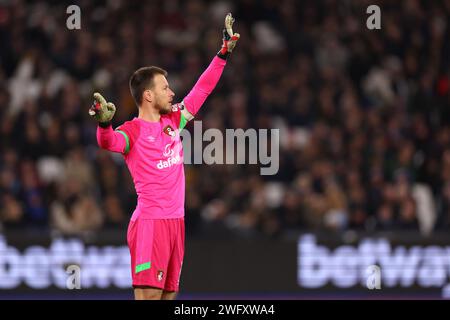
160,275
169,131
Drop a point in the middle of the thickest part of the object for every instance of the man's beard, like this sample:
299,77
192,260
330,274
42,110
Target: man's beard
163,110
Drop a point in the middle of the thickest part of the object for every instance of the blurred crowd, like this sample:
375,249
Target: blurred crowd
364,115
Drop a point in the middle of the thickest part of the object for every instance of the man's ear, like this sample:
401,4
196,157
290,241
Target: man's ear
148,95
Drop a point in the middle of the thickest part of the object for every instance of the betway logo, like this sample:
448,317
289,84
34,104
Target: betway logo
345,266
169,162
40,267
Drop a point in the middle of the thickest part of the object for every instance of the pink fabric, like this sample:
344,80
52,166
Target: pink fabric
159,242
110,140
155,162
205,85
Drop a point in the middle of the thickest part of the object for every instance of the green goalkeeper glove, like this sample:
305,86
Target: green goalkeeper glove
229,38
102,111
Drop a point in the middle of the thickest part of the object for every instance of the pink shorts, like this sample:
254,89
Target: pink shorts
157,251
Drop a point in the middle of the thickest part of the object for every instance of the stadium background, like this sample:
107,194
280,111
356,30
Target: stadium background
364,123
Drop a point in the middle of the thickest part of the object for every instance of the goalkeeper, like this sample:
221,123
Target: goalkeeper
153,152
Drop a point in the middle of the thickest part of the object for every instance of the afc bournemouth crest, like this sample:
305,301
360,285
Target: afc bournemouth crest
169,131
160,275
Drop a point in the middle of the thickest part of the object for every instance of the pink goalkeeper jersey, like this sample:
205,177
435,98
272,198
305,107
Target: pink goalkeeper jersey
153,151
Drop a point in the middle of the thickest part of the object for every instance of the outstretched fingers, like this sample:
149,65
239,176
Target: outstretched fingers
229,20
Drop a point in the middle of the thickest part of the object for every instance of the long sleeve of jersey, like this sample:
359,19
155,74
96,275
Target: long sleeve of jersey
111,140
205,85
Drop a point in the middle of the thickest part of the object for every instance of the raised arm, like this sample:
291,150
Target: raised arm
204,86
208,80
